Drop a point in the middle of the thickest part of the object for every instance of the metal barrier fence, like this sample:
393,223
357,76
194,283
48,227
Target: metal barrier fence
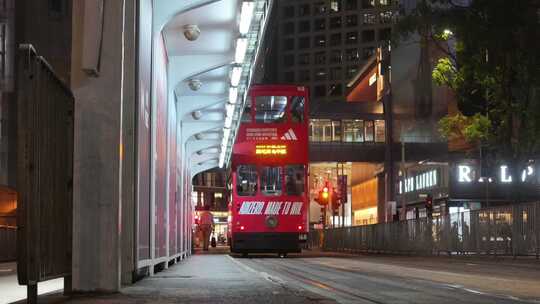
8,239
511,230
45,109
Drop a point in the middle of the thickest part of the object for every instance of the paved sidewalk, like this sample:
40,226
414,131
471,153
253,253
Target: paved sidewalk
11,291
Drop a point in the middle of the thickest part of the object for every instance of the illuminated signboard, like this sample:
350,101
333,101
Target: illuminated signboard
270,150
467,174
420,181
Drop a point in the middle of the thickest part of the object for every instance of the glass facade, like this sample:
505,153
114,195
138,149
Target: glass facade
347,130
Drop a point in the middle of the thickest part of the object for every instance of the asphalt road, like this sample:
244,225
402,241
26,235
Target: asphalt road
397,279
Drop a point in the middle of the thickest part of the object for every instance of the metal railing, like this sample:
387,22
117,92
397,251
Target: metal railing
8,239
510,230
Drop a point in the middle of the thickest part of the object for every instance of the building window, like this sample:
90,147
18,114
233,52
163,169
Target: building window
351,20
304,26
370,18
324,130
367,52
368,36
351,71
351,5
319,8
320,58
287,28
335,22
289,76
353,130
303,43
352,55
335,6
288,60
336,56
320,74
351,38
379,131
319,41
288,44
304,75
288,12
335,90
336,73
368,3
57,8
303,59
303,10
335,39
385,34
319,24
320,91
369,130
386,17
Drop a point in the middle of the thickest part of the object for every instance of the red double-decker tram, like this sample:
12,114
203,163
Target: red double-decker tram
270,201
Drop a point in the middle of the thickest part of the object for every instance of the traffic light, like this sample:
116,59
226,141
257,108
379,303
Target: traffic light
324,195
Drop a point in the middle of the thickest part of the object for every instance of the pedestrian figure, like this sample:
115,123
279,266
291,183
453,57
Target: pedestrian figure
207,226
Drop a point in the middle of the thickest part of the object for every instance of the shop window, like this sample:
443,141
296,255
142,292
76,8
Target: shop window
335,22
368,3
288,60
336,56
351,71
288,44
369,130
370,19
287,28
320,58
336,73
368,36
295,179
386,17
304,75
303,10
246,180
351,20
335,39
335,90
303,59
288,12
304,26
271,181
303,43
289,76
319,8
351,5
319,41
297,109
379,131
385,2
351,38
270,109
319,24
320,74
353,130
335,6
385,34
352,55
367,52
320,91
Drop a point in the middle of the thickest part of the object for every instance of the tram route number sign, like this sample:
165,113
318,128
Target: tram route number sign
271,208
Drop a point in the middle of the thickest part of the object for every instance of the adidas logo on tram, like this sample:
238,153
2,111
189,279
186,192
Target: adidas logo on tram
289,135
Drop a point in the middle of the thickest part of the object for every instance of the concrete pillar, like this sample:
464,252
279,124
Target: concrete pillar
103,161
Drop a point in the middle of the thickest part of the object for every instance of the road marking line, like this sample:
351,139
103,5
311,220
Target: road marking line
264,275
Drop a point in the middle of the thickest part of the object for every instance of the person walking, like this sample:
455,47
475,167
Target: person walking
207,226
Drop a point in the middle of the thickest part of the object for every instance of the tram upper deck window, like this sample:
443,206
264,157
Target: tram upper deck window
246,180
270,109
294,179
297,109
271,181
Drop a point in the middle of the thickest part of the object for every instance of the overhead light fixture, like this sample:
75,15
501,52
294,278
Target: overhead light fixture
235,76
196,115
241,48
229,109
191,32
233,95
198,136
246,14
194,84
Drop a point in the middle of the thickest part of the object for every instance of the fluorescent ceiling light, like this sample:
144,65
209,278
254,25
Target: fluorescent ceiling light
246,14
241,48
230,109
235,76
233,95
